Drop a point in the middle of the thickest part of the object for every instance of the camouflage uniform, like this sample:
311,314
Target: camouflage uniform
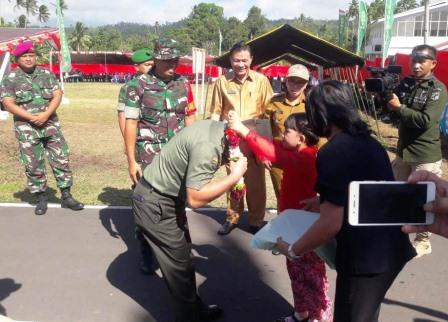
160,109
122,98
33,92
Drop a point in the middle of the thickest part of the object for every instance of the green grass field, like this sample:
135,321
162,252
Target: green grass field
89,123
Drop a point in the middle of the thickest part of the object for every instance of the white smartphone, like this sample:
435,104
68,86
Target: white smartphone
389,203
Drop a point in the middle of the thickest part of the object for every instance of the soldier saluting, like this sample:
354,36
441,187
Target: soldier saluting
32,95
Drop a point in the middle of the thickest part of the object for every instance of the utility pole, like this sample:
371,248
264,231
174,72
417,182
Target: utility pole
426,29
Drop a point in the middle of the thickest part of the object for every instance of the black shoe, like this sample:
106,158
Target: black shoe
254,229
67,201
226,228
42,205
210,313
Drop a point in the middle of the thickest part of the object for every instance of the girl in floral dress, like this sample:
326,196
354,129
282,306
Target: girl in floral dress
296,154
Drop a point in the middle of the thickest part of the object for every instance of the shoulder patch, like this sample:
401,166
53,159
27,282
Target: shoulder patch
435,95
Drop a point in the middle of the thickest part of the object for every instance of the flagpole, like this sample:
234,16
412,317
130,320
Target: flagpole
426,23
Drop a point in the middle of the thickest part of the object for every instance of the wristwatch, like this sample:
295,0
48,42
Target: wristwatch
291,254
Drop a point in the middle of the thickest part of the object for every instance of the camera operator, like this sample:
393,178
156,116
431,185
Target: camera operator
419,104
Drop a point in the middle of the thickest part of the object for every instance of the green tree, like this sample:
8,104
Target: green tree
234,30
353,10
255,22
183,38
203,24
43,14
79,38
22,21
135,42
18,4
405,5
62,4
376,10
31,8
106,39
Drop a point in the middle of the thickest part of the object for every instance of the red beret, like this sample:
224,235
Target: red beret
23,48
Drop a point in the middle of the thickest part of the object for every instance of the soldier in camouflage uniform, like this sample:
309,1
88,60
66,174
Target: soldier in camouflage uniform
142,59
158,105
32,95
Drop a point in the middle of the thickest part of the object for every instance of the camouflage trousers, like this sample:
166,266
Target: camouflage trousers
33,149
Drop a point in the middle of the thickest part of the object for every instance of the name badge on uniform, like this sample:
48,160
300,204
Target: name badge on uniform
168,103
231,92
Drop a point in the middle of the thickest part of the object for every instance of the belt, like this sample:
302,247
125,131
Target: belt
149,186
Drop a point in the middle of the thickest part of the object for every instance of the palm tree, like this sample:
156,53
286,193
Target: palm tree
43,14
30,7
79,37
18,4
62,4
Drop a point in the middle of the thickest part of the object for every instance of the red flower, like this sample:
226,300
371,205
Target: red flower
232,138
238,191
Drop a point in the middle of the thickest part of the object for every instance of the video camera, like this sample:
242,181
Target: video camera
384,80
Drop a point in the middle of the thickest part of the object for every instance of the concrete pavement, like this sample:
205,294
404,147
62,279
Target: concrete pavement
83,267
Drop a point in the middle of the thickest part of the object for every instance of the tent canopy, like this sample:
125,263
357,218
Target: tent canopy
11,37
291,59
289,40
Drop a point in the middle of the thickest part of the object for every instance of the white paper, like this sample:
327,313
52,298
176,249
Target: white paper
292,224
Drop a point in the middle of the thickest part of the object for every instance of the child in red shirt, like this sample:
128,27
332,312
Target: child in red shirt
296,154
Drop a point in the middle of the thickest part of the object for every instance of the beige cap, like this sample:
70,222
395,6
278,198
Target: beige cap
299,71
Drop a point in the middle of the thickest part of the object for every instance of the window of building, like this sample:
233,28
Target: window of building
418,27
409,29
442,29
433,28
401,28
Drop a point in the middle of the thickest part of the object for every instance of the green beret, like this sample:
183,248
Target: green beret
141,55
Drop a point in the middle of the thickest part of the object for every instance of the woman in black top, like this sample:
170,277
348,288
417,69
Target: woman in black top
368,259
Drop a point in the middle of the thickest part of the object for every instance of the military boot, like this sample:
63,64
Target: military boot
42,204
67,200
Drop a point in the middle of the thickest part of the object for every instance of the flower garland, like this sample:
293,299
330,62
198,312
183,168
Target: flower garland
233,140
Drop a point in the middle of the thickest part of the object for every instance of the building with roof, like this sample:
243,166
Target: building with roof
408,31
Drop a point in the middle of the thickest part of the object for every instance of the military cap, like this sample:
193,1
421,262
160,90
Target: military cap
141,55
23,48
165,49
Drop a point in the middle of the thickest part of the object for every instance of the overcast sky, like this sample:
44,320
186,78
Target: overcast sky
100,12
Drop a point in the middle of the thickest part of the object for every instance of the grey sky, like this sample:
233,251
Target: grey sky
100,12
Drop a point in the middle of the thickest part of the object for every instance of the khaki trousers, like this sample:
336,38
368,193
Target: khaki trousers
276,177
255,195
402,171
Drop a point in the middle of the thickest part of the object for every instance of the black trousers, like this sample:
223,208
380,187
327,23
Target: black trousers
358,297
163,221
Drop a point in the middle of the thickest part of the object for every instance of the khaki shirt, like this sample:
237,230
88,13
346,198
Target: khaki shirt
249,98
279,109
